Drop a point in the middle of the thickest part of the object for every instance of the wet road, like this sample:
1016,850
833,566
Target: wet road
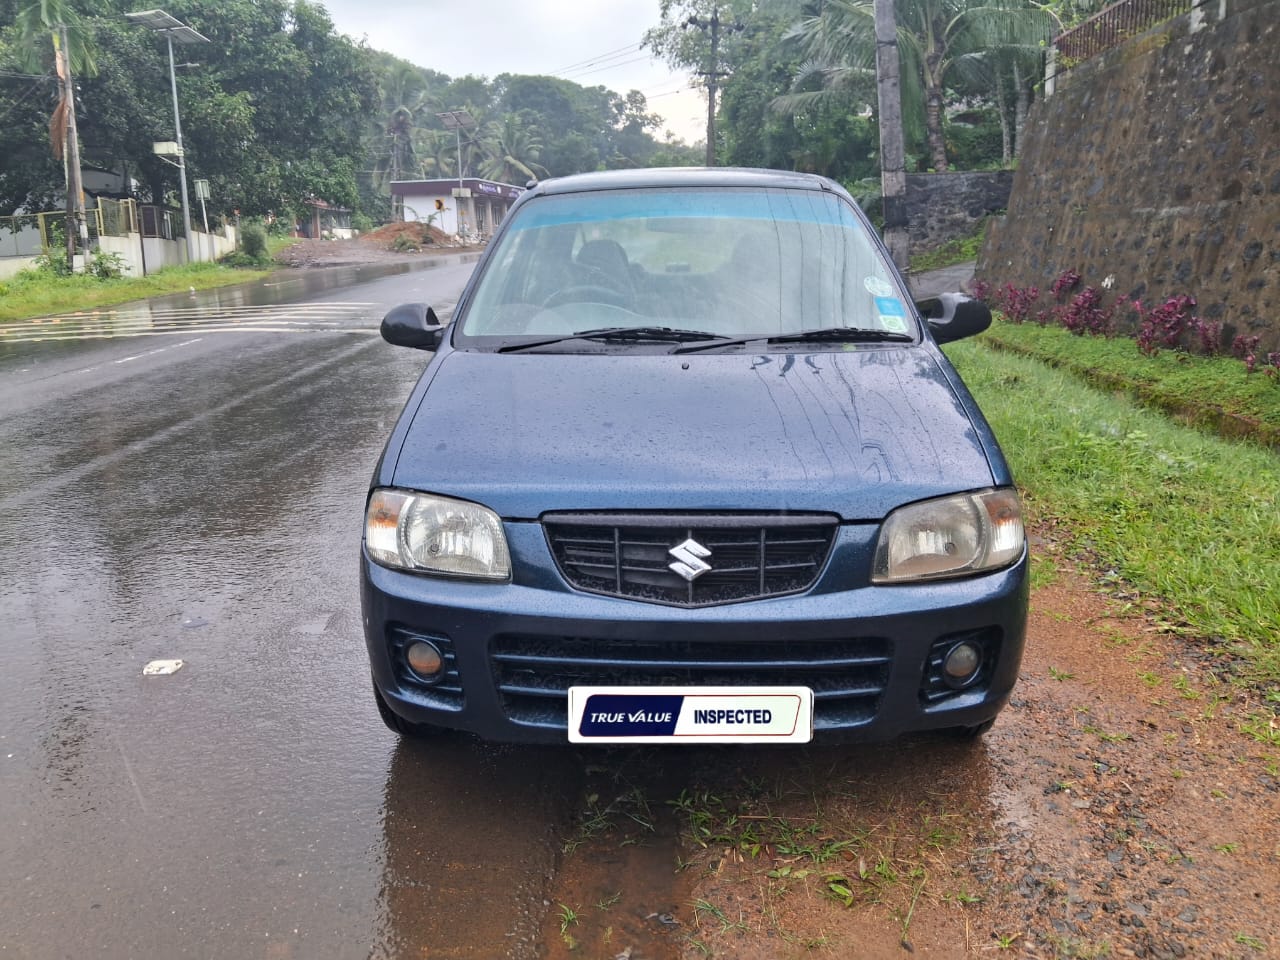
192,488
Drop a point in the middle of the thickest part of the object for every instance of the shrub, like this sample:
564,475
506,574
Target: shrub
253,242
1163,326
1085,313
106,266
1017,303
1067,281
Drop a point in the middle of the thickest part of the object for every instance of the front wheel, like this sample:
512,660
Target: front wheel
974,732
398,724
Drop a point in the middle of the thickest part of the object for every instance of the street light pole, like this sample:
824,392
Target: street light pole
171,28
182,161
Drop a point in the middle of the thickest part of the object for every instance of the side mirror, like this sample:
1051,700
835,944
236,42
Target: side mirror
413,325
953,316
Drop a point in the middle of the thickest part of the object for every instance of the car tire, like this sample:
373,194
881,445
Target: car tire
398,724
973,733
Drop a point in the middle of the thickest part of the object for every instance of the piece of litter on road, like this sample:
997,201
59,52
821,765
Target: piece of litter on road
161,668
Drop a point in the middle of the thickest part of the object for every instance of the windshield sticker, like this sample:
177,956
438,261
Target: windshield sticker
890,307
878,287
893,316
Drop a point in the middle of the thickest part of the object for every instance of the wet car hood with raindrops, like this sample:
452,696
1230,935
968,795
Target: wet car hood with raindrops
853,432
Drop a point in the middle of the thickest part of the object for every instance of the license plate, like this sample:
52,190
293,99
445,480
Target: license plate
690,714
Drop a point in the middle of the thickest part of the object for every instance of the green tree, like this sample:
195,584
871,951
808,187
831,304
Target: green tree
940,42
511,148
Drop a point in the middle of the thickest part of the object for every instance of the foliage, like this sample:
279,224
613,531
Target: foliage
253,241
1185,518
36,293
272,115
105,266
960,250
942,43
52,260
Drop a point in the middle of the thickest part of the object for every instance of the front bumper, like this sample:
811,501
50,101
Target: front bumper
869,652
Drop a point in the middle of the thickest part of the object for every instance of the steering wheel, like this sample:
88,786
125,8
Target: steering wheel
588,293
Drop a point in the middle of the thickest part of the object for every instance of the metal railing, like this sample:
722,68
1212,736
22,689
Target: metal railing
31,234
1113,26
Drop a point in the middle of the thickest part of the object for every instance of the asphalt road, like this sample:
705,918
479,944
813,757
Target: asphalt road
192,487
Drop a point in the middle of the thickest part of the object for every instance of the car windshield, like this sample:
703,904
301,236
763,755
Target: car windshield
724,262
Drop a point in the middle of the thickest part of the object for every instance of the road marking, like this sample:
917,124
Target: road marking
111,324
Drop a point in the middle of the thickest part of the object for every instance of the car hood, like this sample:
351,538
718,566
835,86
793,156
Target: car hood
855,432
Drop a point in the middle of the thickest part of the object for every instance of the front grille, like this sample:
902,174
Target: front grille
446,693
630,555
533,674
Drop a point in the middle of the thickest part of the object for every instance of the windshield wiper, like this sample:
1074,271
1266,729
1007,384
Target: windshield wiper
844,335
636,334
827,334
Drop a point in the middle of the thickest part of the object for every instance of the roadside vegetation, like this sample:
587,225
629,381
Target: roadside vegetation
959,250
1189,521
1217,393
36,293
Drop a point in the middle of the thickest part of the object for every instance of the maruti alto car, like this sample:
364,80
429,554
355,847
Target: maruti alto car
686,459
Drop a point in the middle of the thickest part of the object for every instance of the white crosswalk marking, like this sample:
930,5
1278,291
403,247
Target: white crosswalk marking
334,316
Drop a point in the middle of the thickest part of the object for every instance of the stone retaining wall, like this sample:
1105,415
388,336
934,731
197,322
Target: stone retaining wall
1154,170
947,206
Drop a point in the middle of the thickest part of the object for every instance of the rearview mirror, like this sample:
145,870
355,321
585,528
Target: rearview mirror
413,325
953,316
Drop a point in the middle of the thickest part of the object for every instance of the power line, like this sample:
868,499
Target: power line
598,56
22,98
612,66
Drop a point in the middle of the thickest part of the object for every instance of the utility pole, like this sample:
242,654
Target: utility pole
713,74
74,225
893,167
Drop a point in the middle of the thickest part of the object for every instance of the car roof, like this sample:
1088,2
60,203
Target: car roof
682,177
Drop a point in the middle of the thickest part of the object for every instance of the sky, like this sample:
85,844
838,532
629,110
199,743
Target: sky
591,42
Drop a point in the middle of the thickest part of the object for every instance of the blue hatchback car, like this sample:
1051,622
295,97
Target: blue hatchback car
688,460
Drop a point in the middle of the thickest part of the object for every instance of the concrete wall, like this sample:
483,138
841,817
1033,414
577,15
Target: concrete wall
947,206
1154,170
138,252
12,265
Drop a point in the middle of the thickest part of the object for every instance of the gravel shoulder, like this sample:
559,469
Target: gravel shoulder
1120,807
342,253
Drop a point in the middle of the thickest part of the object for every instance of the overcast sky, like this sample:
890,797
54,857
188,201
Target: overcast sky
587,41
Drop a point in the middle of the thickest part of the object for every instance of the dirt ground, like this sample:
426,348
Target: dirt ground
377,246
1126,804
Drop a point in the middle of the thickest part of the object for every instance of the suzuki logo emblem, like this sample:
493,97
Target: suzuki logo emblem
689,559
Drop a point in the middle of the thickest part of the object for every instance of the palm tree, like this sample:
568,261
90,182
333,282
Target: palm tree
406,104
54,20
511,149
939,41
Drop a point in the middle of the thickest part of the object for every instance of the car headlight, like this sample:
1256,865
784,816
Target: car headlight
950,537
430,534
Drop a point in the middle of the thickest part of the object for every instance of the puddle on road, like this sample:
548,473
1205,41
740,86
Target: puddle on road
620,890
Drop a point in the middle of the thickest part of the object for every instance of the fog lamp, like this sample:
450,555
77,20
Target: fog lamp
962,663
425,659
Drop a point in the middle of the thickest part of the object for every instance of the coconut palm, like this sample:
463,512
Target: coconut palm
53,21
940,41
511,149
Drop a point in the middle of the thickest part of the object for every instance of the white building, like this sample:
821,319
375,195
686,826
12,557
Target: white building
478,206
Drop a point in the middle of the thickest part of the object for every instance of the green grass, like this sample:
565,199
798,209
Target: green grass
1212,392
1187,518
32,294
960,250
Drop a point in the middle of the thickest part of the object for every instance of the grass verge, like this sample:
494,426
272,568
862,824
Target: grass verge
1191,519
960,250
33,294
1210,392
